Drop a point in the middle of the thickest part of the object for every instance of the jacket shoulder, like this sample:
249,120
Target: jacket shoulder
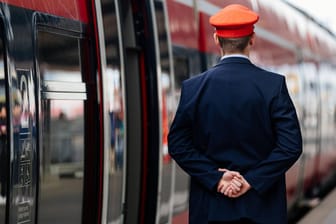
192,87
269,74
194,80
270,81
194,83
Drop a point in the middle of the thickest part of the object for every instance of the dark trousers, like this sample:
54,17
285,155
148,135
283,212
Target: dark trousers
241,221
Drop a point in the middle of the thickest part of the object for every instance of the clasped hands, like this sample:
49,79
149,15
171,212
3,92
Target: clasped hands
232,184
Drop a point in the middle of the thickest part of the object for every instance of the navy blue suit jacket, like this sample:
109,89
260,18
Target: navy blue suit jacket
240,117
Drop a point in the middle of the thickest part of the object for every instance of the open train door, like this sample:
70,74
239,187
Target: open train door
122,69
137,184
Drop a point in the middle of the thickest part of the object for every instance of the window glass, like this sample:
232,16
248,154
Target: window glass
63,63
62,155
62,131
181,70
116,111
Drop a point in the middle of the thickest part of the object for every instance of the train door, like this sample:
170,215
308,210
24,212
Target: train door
172,68
113,81
67,123
119,30
167,107
139,177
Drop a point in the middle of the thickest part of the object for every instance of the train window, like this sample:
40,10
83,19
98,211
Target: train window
211,60
61,186
62,128
181,68
3,137
64,54
115,98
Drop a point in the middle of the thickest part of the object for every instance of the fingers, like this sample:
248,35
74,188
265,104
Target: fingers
222,170
228,191
237,174
237,182
221,187
231,191
232,184
223,190
235,188
228,188
245,188
230,174
235,185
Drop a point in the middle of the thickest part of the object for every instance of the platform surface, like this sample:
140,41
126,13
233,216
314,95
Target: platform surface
324,213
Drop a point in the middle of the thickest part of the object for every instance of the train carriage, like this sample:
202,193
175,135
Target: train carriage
88,89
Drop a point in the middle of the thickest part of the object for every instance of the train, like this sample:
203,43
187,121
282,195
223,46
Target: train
89,88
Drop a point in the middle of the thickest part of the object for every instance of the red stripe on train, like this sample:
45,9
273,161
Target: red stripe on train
72,9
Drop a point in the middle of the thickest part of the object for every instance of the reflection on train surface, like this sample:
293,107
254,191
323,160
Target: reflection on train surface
88,90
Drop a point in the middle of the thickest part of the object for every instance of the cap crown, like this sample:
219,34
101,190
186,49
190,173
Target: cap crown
234,21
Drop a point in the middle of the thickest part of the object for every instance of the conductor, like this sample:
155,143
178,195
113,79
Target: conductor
236,132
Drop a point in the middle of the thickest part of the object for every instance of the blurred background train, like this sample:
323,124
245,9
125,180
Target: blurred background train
88,89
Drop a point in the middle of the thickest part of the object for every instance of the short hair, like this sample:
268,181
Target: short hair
234,44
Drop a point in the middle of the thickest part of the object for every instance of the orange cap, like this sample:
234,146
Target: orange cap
234,21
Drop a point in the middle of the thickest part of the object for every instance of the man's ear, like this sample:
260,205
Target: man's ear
216,39
252,40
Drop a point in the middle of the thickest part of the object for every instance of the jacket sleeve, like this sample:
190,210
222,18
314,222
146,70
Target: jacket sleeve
182,149
288,146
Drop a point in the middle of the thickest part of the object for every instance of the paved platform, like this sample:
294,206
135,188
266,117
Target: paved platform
324,213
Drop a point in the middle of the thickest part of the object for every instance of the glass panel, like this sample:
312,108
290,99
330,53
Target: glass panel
116,110
63,63
3,138
62,159
181,71
62,131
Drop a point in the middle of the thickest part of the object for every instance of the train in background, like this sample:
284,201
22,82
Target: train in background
88,89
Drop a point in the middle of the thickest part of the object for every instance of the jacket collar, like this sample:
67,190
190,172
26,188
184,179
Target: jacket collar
234,59
234,55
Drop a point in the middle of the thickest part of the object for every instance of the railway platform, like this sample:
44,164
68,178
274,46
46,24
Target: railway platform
324,213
